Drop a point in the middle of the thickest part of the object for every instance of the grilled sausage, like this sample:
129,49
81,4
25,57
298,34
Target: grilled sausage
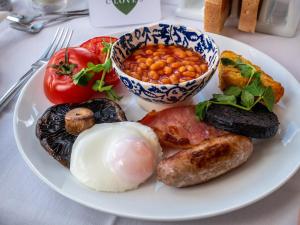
205,161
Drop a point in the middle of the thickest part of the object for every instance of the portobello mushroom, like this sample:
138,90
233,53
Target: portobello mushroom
60,125
257,123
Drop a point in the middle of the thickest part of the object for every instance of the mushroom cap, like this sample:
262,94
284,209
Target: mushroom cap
51,131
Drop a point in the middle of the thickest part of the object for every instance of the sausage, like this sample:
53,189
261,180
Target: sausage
205,161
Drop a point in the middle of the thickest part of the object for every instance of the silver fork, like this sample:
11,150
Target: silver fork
61,39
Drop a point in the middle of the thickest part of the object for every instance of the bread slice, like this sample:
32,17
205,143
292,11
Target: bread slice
248,15
231,76
215,14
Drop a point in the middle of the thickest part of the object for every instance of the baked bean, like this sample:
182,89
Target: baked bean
140,60
161,63
161,50
136,75
184,62
189,74
156,58
190,68
174,79
164,64
184,79
193,59
145,78
189,53
149,52
160,72
139,70
168,70
157,53
138,52
175,65
182,69
165,80
149,61
197,68
153,75
204,67
156,65
144,65
170,59
180,54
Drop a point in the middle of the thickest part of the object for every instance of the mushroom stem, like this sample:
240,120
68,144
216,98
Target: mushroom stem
78,120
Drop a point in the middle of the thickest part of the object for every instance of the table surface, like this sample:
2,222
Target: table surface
25,199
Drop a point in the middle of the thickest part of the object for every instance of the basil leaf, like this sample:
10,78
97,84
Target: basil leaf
239,61
107,47
78,78
107,65
233,90
105,88
201,109
225,98
247,99
90,65
257,75
269,98
246,70
112,95
227,62
98,85
255,88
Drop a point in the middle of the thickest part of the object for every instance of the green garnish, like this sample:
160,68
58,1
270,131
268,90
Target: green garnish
244,98
85,75
64,67
233,90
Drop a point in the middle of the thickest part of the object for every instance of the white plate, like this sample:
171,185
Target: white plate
274,161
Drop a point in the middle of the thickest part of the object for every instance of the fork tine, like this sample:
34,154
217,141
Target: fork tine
54,47
62,40
52,43
68,39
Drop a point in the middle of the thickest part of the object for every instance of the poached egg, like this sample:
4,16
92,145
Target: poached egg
115,157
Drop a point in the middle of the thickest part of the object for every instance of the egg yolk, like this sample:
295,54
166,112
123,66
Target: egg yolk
132,160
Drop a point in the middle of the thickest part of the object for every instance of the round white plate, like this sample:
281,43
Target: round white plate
273,162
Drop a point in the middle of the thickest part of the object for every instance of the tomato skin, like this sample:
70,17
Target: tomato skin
60,88
95,45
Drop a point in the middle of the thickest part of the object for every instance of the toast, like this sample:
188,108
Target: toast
248,15
215,14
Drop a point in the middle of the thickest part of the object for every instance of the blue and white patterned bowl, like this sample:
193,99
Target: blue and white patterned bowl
168,35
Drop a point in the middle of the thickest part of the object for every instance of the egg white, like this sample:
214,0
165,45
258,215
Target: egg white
89,162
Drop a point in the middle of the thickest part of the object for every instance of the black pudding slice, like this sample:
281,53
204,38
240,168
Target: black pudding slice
258,123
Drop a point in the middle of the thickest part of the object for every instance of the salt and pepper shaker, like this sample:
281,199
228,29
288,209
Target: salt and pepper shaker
279,17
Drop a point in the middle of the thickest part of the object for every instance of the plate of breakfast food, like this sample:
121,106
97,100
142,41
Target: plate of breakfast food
164,122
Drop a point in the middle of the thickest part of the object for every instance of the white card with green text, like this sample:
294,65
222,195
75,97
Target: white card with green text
104,13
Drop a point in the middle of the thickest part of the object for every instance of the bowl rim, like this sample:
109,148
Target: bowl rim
144,83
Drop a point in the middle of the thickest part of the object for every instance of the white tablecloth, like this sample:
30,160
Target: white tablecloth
26,200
